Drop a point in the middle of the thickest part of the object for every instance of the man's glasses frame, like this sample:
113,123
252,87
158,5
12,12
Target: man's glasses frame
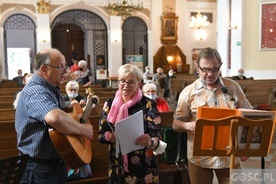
207,70
60,68
123,82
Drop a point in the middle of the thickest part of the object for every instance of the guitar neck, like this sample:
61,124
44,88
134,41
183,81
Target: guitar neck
88,107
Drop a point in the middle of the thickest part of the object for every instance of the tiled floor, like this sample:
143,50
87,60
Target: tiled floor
270,159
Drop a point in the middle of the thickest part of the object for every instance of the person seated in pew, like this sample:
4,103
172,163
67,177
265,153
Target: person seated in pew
19,78
240,75
40,107
72,94
214,91
150,91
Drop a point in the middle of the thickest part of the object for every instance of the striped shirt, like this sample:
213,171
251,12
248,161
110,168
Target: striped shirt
197,95
37,98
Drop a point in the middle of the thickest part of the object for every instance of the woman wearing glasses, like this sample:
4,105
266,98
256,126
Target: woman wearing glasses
139,166
150,91
213,91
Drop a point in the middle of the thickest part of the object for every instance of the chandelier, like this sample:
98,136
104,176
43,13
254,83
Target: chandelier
199,21
123,8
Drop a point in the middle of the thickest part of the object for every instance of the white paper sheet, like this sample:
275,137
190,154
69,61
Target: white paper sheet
127,131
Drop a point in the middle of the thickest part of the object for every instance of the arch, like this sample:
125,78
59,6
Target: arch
19,41
12,11
88,41
135,39
81,6
23,24
144,18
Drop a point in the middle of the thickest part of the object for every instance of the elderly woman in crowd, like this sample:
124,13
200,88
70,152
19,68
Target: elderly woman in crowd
139,166
150,91
86,75
72,94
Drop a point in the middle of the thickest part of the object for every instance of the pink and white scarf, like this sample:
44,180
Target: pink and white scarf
119,111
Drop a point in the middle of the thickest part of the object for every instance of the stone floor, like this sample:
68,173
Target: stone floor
270,159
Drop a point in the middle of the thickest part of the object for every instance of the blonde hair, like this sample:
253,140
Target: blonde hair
127,69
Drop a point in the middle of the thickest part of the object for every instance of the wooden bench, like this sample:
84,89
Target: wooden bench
169,173
9,113
7,102
256,91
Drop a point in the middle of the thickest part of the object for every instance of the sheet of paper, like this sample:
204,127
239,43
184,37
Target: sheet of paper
127,131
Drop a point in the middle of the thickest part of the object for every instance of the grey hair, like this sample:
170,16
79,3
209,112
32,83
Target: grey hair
208,53
148,86
72,83
41,59
127,69
45,57
82,63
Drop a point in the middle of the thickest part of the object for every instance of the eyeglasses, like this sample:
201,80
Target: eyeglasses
73,89
60,68
129,83
207,70
151,92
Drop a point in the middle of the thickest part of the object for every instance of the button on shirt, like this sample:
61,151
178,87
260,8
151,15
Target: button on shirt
197,95
37,98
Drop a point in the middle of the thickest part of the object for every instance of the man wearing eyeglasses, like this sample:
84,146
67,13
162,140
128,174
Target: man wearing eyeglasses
208,90
39,108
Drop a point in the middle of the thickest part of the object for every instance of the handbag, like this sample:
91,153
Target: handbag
176,150
79,173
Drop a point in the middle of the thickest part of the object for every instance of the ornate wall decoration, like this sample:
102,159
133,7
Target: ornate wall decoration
43,7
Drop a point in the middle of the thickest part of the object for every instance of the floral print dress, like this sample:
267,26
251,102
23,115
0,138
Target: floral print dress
142,164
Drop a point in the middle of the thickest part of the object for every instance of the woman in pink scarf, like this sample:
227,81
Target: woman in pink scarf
139,166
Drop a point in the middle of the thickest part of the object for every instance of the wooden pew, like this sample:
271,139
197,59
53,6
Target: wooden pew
99,164
8,104
8,139
255,90
7,114
13,91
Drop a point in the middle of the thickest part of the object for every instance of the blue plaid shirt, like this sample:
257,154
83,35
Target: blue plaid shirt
37,98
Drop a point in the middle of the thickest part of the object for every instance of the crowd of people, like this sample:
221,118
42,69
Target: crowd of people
40,104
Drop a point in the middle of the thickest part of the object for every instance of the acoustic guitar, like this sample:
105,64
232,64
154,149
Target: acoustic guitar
75,150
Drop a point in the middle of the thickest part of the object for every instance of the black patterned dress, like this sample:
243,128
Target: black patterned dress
142,164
